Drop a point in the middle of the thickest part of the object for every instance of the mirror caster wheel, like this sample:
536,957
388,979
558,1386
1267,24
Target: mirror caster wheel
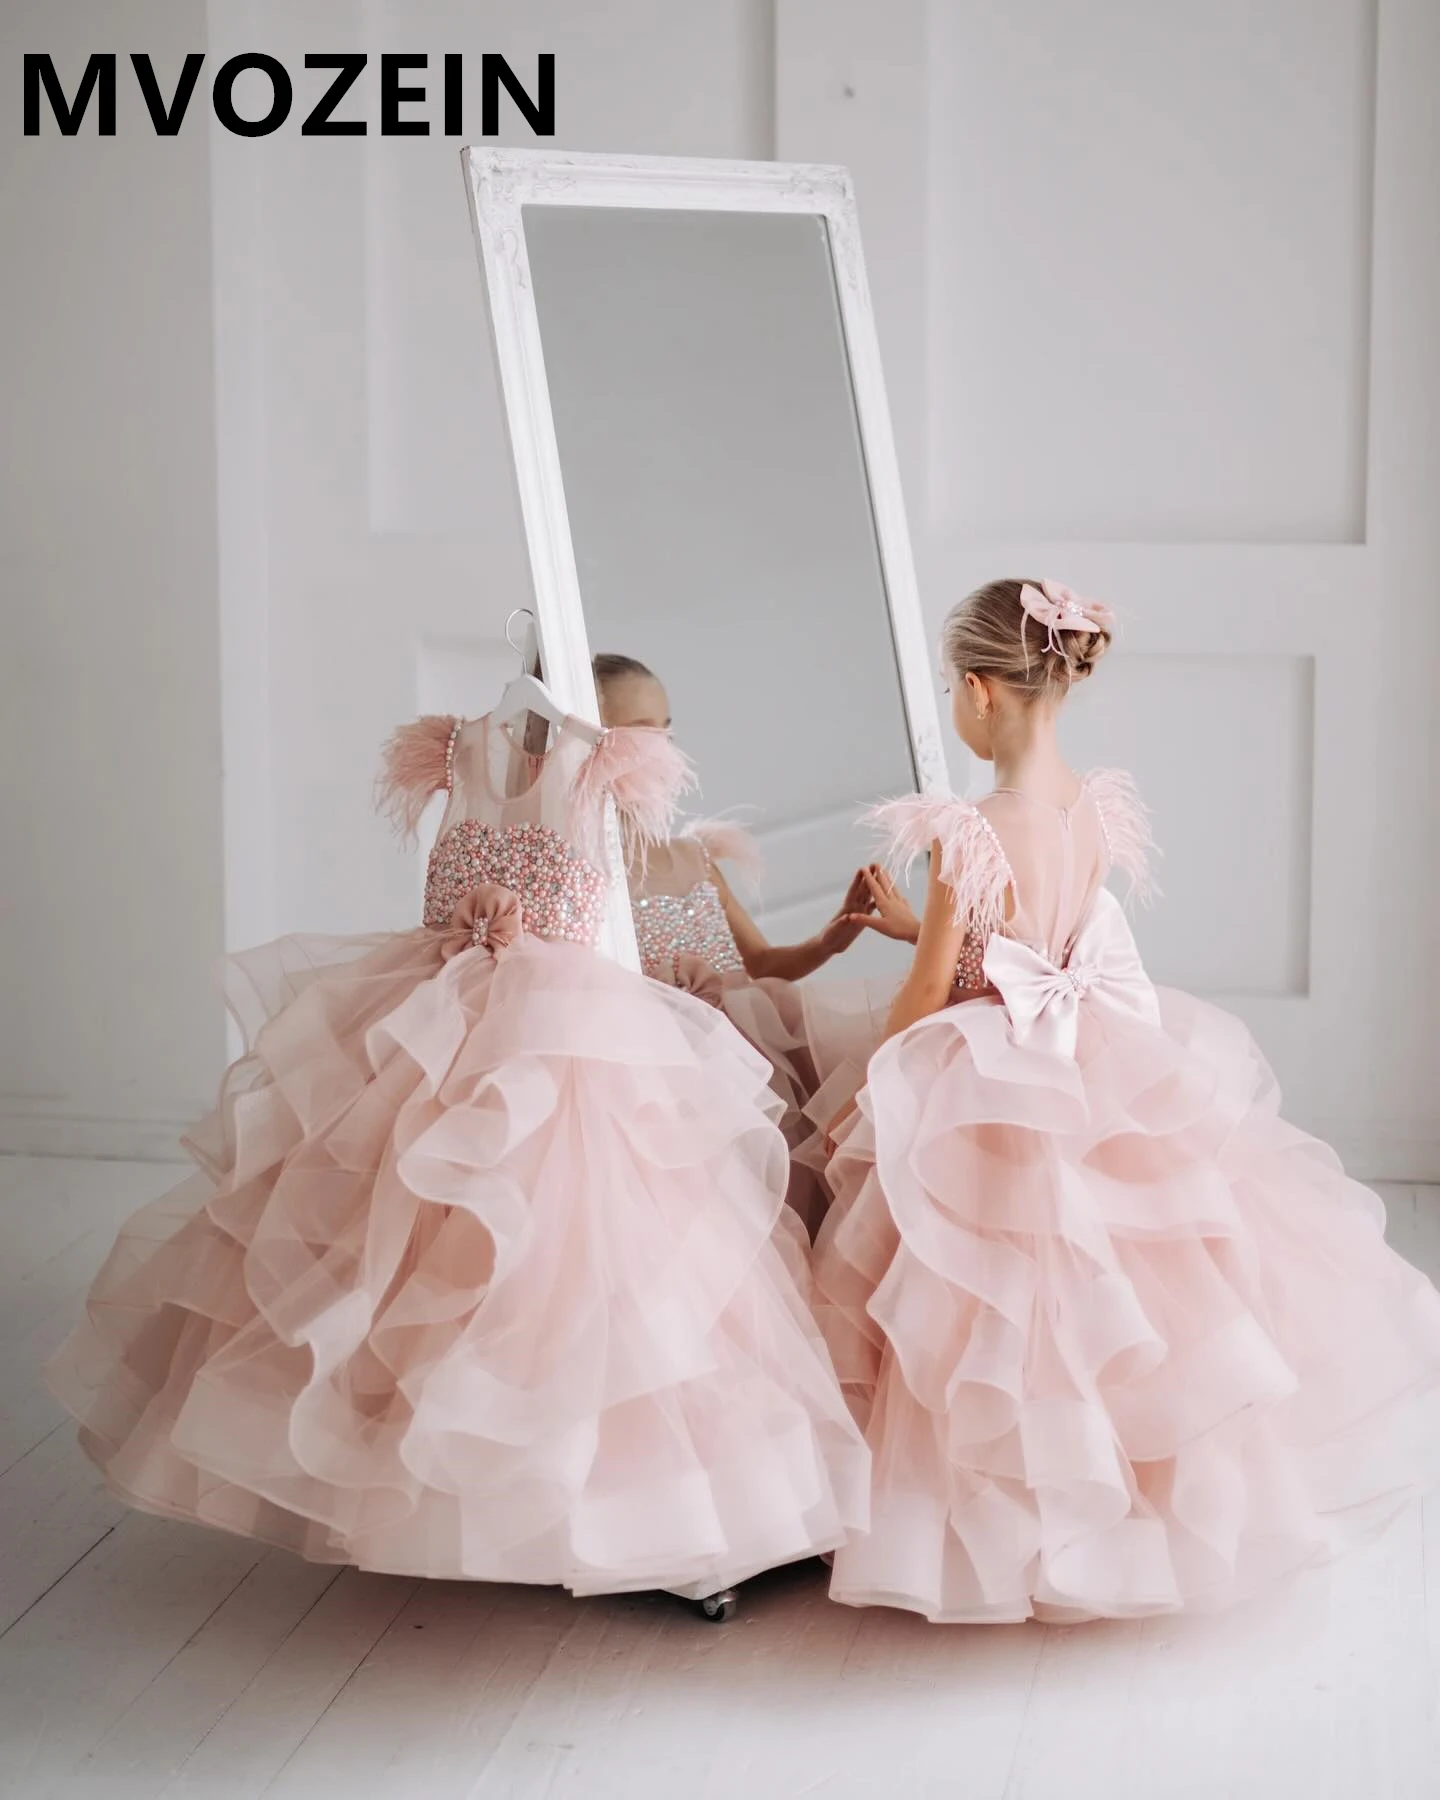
719,1608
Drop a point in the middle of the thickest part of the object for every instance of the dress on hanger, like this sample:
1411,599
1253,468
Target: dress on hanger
486,1271
1122,1340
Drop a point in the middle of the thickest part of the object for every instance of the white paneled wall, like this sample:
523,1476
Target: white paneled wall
1160,321
109,671
1236,900
1149,275
1156,289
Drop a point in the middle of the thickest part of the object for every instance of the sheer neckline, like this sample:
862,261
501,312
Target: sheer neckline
680,893
536,760
1049,805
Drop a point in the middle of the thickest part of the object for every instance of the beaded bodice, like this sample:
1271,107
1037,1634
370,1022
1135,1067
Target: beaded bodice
668,926
525,814
561,894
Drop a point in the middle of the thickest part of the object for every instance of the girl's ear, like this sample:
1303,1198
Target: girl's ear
978,690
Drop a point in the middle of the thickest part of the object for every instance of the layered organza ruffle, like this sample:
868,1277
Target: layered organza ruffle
844,1021
818,1036
1123,1341
485,1273
770,1015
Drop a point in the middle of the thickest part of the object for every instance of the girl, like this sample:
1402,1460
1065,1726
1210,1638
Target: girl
1121,1339
693,933
485,1271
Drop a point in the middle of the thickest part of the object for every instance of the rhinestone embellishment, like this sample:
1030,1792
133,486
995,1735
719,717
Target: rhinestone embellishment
970,976
671,925
561,895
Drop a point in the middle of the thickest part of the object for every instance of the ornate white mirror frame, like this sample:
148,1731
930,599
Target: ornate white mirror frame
501,184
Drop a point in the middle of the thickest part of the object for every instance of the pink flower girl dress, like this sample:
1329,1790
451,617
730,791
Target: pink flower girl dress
684,939
1122,1340
486,1271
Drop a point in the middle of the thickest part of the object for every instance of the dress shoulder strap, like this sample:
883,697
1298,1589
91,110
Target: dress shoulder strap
417,761
973,863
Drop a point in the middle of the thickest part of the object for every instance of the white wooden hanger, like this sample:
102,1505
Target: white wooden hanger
528,694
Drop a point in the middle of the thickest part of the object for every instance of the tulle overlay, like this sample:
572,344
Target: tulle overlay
485,1273
1123,1340
776,1017
844,1021
686,941
770,1015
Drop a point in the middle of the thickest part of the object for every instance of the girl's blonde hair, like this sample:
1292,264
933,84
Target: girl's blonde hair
990,633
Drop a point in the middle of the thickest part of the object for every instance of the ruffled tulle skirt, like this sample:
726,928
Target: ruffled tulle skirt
770,1015
818,1035
1122,1340
485,1273
844,1020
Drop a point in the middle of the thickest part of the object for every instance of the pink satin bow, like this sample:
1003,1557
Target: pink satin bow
1103,966
693,975
1060,609
489,917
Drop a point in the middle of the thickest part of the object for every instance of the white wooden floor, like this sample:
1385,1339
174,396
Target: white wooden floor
139,1658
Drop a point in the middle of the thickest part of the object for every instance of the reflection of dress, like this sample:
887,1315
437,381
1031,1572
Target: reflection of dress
685,939
1123,1341
481,1274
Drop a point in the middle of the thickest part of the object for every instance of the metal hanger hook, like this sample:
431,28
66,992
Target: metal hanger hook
520,612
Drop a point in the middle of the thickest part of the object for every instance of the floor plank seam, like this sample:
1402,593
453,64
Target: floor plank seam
354,1670
535,1686
93,1756
62,1576
40,1442
1011,1791
247,1686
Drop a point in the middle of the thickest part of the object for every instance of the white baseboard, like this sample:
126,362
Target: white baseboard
1405,1160
42,1128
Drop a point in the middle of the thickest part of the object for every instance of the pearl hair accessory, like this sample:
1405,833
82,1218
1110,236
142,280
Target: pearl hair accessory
1060,609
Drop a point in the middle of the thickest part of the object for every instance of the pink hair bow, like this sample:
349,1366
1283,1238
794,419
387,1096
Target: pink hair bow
1060,608
489,918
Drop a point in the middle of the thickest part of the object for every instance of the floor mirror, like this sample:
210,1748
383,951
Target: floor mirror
707,477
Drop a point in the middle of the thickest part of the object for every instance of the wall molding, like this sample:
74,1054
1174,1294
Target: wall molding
31,1127
1371,1156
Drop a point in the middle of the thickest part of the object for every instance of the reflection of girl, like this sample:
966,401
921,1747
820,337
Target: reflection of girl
1122,1340
692,931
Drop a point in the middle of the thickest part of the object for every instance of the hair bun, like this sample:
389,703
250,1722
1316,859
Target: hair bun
1083,649
993,633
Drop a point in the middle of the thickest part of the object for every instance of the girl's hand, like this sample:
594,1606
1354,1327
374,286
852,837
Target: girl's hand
889,912
846,926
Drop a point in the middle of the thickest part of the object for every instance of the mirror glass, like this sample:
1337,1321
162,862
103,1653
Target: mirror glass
722,525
